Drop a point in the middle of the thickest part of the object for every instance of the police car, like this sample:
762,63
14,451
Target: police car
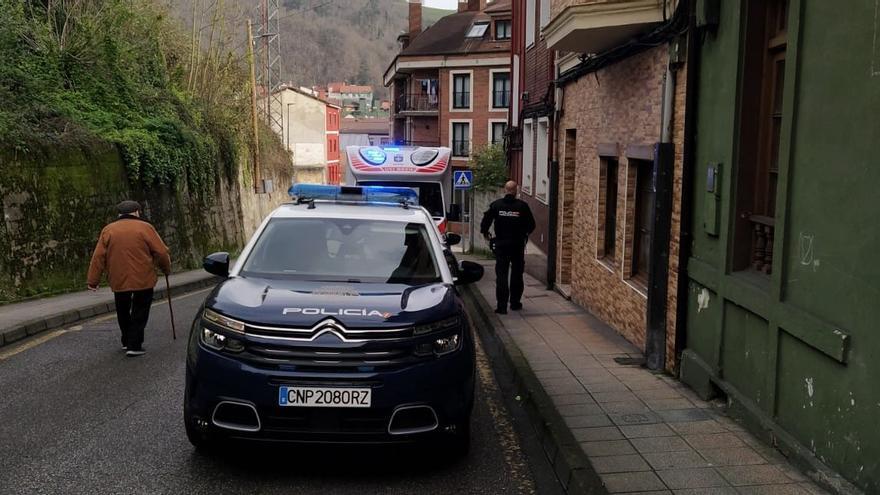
340,322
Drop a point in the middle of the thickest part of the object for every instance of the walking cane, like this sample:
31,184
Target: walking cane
170,309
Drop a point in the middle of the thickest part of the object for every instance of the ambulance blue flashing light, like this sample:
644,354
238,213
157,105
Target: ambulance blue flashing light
373,155
359,194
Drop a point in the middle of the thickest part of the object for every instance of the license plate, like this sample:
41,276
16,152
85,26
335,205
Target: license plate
324,397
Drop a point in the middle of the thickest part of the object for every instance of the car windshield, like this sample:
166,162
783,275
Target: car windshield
430,196
344,250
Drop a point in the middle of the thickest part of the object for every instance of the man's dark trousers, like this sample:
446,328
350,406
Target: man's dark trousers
133,311
512,262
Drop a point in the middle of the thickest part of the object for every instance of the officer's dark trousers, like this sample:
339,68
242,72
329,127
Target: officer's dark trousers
132,312
509,263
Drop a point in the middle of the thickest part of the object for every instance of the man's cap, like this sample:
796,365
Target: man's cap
128,207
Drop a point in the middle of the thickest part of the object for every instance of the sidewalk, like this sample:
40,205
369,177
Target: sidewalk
638,432
19,320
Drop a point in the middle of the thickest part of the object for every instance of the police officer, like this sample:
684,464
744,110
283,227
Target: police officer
513,223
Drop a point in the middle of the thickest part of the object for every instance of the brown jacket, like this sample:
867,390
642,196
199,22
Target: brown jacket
127,250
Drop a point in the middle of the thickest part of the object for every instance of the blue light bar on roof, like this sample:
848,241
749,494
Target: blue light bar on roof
360,194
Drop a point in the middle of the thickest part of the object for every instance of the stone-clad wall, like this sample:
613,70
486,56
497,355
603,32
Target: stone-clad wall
620,104
54,203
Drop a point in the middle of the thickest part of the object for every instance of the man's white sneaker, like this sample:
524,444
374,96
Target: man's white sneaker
135,353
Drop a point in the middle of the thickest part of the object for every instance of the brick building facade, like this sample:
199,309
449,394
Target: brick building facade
532,115
450,83
620,188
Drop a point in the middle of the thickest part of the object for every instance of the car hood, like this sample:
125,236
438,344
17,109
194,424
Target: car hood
296,303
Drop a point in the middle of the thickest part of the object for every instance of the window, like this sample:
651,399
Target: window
477,30
496,132
430,194
607,211
528,156
343,250
461,91
542,159
500,89
461,139
530,23
761,116
641,203
502,30
545,12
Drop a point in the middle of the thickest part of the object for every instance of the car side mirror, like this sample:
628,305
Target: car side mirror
468,273
452,239
217,264
454,213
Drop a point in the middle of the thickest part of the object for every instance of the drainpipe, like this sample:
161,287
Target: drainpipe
658,275
553,227
687,180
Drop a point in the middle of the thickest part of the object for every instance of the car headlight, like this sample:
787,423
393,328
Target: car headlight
448,344
227,323
424,156
219,342
452,322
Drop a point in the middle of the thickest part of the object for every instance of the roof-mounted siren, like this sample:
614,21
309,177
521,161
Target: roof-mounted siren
373,155
307,193
424,156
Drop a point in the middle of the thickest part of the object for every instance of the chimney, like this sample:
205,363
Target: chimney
475,5
415,18
463,5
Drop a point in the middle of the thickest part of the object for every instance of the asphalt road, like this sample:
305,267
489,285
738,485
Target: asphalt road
77,416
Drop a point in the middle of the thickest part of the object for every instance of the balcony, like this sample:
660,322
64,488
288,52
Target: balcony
593,26
417,104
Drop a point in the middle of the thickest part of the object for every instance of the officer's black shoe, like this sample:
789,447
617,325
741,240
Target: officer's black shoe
501,311
516,306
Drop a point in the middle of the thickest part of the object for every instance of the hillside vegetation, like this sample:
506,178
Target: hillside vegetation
121,72
321,40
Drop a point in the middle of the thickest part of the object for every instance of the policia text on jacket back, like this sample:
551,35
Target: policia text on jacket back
513,223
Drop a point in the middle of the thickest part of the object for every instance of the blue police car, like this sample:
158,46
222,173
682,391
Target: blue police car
339,323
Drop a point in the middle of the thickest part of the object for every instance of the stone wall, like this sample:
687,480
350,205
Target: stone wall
54,202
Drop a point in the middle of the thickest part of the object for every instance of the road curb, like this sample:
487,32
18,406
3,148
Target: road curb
572,467
50,322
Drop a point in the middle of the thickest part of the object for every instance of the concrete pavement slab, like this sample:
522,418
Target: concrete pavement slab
639,431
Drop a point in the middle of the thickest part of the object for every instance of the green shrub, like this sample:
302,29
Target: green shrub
490,168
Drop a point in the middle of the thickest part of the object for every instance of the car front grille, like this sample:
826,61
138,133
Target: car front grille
330,347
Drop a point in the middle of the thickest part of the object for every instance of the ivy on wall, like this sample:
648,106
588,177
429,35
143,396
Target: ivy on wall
120,72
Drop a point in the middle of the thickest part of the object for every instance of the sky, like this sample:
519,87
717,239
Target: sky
442,4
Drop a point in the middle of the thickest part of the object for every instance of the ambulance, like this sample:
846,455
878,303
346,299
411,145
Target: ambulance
426,170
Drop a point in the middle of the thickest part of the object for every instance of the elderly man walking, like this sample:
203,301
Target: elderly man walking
514,222
128,248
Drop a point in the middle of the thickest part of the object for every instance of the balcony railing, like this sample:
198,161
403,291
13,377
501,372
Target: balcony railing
763,228
426,143
417,102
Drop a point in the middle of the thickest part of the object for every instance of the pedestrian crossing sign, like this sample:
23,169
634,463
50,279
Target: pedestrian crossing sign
463,179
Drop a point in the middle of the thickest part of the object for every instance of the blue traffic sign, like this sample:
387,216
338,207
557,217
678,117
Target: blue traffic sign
463,179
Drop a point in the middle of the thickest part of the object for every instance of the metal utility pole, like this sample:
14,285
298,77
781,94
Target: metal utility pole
258,179
269,76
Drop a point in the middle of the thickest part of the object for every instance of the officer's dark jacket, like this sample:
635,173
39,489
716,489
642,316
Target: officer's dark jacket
513,221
